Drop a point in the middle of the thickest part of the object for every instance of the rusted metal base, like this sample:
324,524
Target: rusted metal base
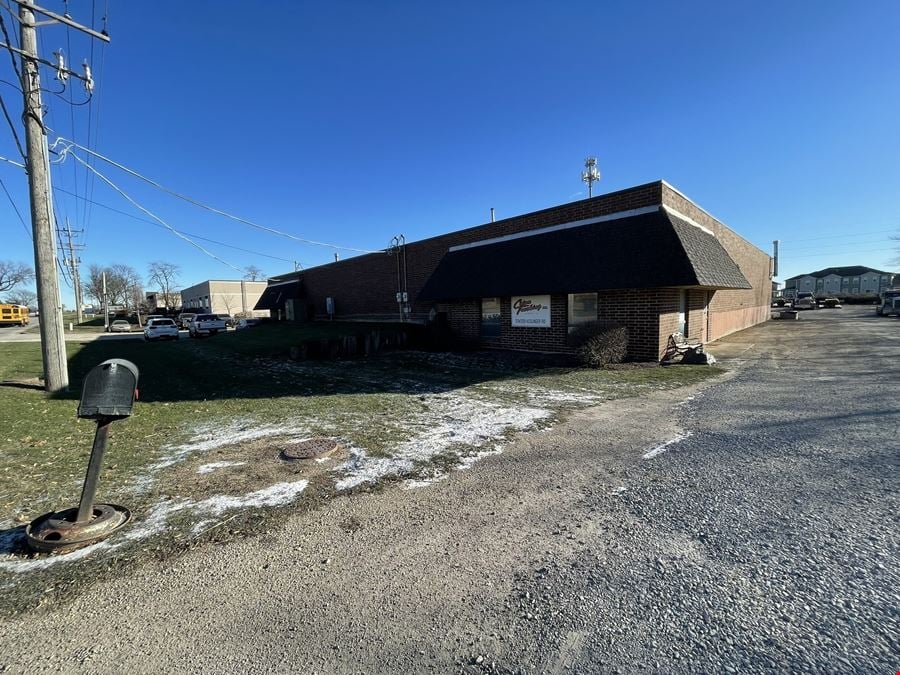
59,532
311,448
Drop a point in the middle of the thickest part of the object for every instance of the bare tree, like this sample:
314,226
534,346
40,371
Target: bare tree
123,285
92,285
164,276
22,296
12,274
253,273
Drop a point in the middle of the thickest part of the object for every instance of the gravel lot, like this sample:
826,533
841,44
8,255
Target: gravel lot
761,534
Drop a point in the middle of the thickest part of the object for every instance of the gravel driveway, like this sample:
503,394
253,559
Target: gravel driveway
744,526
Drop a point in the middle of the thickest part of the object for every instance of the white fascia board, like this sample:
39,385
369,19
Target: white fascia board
689,221
281,283
556,228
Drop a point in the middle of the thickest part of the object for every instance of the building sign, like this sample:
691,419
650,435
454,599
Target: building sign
532,311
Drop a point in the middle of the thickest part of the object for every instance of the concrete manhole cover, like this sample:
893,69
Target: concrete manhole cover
311,448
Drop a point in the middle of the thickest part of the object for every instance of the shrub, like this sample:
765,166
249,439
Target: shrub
598,343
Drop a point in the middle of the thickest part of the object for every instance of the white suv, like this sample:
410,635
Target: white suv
160,329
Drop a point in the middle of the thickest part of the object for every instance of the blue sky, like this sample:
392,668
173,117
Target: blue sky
351,122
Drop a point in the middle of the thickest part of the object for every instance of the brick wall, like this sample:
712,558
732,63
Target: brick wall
464,317
650,315
365,287
731,310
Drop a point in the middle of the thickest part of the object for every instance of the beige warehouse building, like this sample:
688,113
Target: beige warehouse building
224,297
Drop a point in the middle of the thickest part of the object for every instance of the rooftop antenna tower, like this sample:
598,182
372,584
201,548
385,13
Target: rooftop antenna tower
591,174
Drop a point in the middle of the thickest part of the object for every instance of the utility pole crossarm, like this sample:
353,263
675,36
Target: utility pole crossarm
24,54
58,17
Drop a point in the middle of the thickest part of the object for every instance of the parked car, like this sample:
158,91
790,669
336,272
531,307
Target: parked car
888,302
160,329
120,326
805,301
184,319
228,319
832,303
247,323
206,324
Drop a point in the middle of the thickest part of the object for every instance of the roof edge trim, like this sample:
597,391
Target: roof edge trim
555,228
689,221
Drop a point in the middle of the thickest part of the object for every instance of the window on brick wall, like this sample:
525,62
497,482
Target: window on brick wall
582,308
490,317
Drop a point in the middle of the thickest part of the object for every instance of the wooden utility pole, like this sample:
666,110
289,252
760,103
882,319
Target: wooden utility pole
76,278
53,344
105,305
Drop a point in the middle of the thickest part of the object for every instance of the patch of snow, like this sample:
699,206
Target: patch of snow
19,565
210,437
423,482
156,522
361,468
468,461
449,419
659,449
549,396
274,495
216,436
212,466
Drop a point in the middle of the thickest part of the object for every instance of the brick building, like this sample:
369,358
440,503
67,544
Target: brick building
647,257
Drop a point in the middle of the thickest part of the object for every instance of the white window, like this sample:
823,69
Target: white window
582,308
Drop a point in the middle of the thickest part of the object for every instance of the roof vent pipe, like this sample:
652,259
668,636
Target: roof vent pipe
492,214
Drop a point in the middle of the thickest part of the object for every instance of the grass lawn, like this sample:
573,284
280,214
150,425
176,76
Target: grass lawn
232,401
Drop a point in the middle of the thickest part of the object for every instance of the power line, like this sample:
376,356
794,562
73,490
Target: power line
826,253
150,213
837,236
155,224
846,245
89,180
201,205
15,208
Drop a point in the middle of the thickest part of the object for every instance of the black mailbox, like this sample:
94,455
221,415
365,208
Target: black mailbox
109,390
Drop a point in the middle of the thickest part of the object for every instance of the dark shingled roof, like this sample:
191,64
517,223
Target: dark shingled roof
849,271
275,295
652,250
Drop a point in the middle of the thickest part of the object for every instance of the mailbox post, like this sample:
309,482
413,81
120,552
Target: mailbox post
108,394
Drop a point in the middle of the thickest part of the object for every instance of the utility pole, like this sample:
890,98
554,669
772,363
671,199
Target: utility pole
105,305
53,344
76,279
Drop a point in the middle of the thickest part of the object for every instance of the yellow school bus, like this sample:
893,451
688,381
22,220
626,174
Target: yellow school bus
15,314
